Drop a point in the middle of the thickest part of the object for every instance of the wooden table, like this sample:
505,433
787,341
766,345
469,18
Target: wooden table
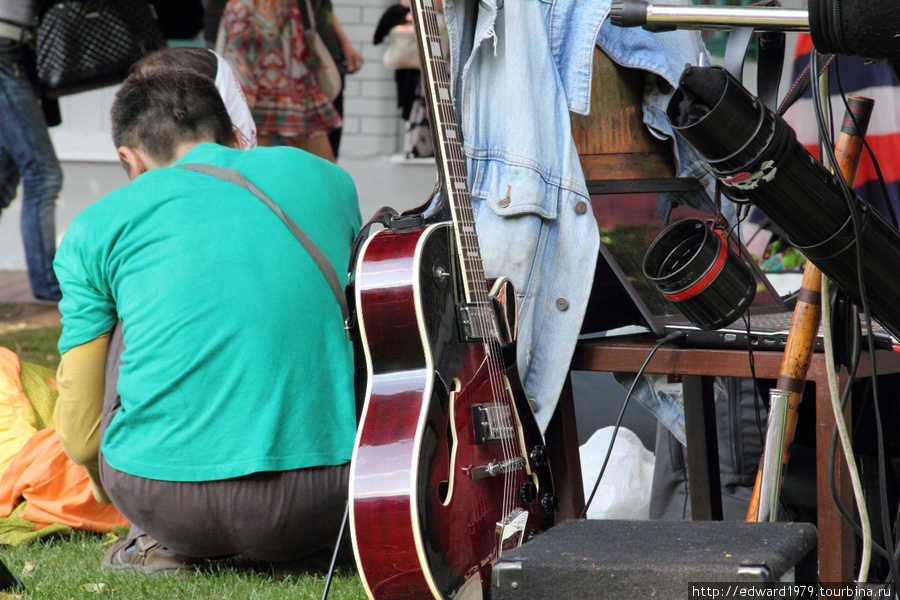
697,368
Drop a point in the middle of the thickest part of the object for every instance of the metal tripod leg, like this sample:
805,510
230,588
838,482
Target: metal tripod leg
337,547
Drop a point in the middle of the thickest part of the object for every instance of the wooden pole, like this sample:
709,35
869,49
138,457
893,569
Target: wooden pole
807,313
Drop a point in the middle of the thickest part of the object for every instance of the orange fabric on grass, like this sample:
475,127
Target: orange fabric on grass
56,489
17,416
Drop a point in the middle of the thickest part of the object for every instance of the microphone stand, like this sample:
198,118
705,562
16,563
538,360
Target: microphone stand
666,17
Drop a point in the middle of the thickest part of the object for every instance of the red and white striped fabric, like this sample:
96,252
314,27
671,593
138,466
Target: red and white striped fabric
875,81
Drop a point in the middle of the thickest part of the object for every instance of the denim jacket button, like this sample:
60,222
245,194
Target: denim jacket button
504,203
581,207
562,303
533,404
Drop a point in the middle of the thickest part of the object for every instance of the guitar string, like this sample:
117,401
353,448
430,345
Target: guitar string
478,292
504,418
471,254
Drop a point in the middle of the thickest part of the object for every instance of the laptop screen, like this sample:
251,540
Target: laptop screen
623,246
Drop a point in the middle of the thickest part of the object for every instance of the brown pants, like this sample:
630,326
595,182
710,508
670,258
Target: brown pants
271,516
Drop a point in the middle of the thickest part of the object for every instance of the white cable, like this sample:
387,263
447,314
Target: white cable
845,436
820,86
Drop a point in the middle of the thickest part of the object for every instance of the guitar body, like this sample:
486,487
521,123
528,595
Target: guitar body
436,494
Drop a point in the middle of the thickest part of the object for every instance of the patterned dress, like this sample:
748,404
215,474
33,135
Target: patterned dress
263,41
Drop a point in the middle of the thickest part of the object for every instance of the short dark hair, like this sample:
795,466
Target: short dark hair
162,108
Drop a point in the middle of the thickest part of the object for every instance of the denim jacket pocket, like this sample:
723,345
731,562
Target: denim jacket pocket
512,190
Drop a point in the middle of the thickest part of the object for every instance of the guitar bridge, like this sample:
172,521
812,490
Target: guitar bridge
498,468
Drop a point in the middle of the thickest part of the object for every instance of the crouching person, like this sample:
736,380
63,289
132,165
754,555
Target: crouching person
206,379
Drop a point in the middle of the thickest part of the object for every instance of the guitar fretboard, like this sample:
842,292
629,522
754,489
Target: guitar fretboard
448,150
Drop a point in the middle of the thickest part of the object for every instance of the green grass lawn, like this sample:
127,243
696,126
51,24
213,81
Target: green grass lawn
34,345
68,567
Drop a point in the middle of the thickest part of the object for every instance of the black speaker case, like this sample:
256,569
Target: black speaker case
620,560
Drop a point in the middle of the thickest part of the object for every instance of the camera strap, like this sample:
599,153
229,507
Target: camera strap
770,58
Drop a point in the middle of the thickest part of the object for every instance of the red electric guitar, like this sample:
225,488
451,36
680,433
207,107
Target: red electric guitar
449,470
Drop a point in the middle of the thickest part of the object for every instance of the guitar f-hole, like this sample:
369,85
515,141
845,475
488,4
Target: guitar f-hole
445,487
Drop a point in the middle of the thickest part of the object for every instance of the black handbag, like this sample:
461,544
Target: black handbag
179,19
88,44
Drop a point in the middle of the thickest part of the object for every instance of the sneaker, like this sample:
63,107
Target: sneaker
146,556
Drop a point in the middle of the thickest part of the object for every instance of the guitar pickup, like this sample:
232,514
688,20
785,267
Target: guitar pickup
496,320
476,323
492,423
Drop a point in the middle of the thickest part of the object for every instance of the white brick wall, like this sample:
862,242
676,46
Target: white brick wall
371,117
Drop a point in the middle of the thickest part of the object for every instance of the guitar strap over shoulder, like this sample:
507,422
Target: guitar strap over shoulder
315,253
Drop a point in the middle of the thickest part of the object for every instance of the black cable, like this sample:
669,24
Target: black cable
757,400
832,456
845,514
878,174
665,340
852,206
832,459
881,458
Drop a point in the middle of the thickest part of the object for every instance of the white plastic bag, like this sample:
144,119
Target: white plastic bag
624,491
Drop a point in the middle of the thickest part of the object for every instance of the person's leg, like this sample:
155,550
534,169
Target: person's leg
334,136
9,178
137,552
270,516
26,139
302,515
318,145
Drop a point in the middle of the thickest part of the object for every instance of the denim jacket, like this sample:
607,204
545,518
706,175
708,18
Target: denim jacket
517,68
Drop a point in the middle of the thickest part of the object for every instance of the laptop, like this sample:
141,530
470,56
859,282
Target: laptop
764,326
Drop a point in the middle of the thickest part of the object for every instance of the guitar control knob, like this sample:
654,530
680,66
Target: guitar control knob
528,493
549,503
539,456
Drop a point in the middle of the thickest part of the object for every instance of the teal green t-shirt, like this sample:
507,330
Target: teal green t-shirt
235,359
